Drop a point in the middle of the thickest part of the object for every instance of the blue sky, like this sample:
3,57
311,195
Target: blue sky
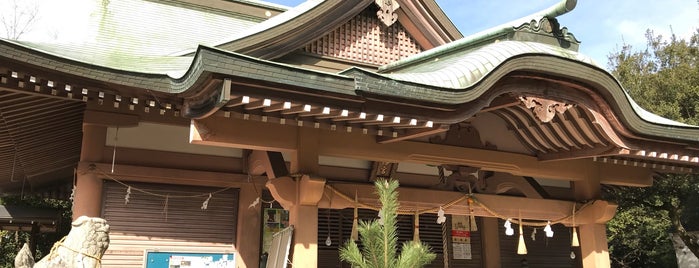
601,25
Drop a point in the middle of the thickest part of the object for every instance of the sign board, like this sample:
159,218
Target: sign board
460,237
189,260
279,249
273,221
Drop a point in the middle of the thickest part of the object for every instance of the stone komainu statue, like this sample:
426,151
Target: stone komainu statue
84,246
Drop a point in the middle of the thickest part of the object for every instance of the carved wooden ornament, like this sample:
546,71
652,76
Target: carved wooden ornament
544,109
387,11
383,170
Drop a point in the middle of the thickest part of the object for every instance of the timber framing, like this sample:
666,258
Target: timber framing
314,103
237,133
443,105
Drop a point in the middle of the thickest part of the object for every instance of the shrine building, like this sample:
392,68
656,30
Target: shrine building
200,127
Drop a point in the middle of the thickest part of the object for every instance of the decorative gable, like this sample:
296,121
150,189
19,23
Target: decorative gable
366,39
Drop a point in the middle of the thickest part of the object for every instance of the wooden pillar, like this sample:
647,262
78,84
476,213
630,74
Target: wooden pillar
249,229
305,222
593,236
593,245
300,195
491,243
88,190
88,196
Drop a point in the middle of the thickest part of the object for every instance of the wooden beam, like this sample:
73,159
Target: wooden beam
236,133
599,211
537,187
243,134
414,134
266,162
168,175
500,103
582,153
625,175
110,119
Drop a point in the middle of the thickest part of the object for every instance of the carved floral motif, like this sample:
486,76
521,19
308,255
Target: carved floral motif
545,109
383,170
387,11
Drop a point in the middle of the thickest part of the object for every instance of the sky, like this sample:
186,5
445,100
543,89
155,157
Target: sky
602,26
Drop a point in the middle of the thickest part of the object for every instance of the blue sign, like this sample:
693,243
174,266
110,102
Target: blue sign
189,260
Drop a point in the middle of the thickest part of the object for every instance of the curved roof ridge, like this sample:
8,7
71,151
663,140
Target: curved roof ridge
206,59
562,7
457,75
463,69
170,66
262,26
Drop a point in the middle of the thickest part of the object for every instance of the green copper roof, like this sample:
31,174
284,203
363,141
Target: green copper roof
137,35
462,76
173,66
462,69
146,28
485,36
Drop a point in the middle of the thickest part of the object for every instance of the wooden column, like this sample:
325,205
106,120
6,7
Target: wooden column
593,236
248,233
300,195
88,190
491,243
593,245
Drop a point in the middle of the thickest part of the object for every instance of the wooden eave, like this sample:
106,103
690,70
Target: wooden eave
559,78
427,23
17,218
228,8
40,137
423,19
298,31
230,85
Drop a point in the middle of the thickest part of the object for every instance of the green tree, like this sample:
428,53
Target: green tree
664,79
12,241
379,238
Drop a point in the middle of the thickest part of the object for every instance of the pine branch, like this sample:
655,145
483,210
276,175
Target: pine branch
380,239
351,254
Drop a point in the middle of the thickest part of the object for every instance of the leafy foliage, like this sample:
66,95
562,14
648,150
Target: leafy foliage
379,238
12,241
663,78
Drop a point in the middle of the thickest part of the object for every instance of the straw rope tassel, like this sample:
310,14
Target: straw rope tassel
416,224
575,242
445,244
521,248
355,232
472,218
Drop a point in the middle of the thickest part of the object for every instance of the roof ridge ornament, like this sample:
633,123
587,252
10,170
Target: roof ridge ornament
544,109
387,11
549,26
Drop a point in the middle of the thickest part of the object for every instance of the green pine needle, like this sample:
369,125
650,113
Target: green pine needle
380,241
